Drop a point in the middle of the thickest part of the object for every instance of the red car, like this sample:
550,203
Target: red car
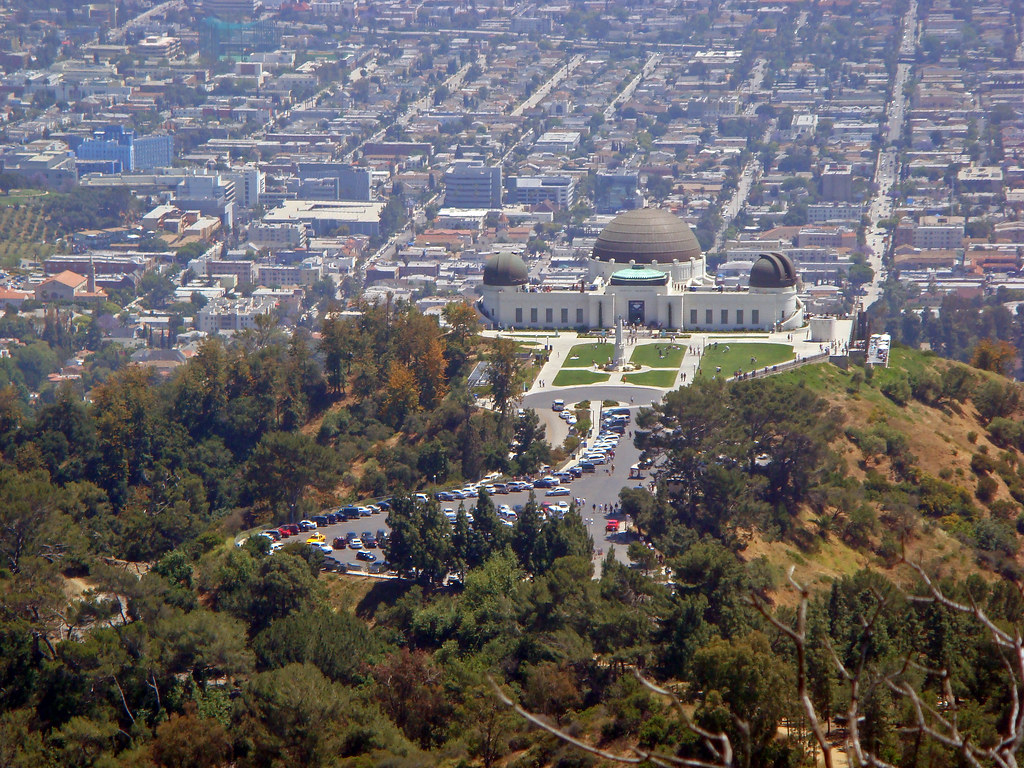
339,543
284,532
612,526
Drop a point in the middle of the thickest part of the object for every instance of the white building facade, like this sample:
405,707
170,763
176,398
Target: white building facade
647,269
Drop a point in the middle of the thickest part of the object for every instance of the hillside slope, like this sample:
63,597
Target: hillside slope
932,452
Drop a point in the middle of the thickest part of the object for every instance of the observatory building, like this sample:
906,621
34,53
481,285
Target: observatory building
647,269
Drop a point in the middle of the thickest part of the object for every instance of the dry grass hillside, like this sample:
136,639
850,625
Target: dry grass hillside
941,479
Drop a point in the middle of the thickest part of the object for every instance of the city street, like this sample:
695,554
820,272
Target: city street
888,169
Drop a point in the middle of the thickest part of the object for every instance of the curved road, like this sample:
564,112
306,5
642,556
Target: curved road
595,393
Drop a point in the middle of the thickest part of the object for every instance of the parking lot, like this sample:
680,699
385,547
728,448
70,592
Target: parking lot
601,486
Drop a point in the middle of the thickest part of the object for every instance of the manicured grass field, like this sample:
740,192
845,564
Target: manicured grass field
662,379
578,378
16,196
736,357
660,355
585,355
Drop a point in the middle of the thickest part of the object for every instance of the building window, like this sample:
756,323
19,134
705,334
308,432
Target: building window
579,315
565,316
709,317
739,317
533,314
519,315
693,317
755,316
549,315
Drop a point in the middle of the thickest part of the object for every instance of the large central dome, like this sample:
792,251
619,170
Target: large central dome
646,236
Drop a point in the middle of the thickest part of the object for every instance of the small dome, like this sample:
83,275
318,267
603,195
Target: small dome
773,270
506,269
646,236
639,275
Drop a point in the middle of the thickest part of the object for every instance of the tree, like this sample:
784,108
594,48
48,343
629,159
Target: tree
504,373
431,370
189,741
413,696
401,395
995,356
526,536
337,643
741,683
284,712
463,326
283,465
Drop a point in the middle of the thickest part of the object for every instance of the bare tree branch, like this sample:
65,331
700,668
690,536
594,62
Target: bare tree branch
639,755
799,638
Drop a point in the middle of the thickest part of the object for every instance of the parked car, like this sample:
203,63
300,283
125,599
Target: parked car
332,518
369,540
612,526
382,537
316,538
307,525
365,556
355,543
558,490
587,466
320,520
339,542
558,405
272,533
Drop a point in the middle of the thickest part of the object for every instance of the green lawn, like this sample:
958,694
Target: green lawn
663,379
578,378
16,196
660,355
585,355
733,357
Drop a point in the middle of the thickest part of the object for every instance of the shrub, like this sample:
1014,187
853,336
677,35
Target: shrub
995,536
1004,509
942,499
897,388
926,386
996,398
1005,432
986,490
982,464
